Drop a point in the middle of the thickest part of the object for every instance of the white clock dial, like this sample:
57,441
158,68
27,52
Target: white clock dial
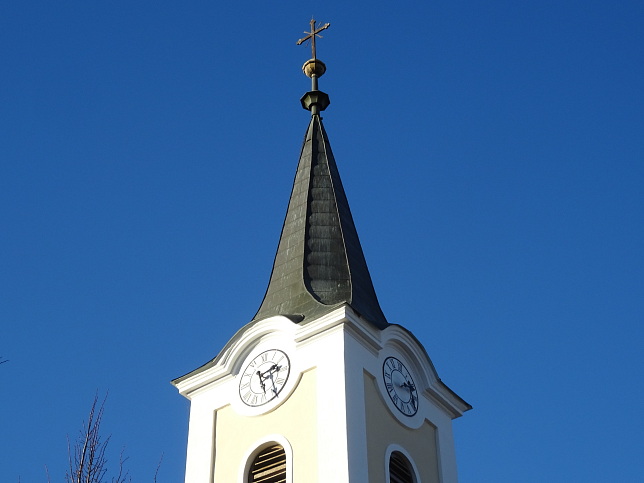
400,386
264,377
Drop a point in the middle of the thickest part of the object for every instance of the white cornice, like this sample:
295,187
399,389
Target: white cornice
287,334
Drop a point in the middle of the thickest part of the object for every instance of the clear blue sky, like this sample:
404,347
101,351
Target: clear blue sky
492,153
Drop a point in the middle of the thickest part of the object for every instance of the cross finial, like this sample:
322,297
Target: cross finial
314,68
312,35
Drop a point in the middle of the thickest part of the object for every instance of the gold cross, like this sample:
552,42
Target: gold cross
312,34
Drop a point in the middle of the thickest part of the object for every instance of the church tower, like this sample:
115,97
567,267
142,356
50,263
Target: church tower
318,387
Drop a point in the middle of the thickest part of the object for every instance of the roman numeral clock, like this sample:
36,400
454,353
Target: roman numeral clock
264,377
400,385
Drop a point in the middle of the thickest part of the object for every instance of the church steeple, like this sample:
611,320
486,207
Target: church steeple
319,387
319,264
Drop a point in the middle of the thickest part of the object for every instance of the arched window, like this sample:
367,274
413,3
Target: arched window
269,466
400,469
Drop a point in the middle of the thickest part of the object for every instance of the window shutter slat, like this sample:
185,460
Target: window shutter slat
400,469
269,466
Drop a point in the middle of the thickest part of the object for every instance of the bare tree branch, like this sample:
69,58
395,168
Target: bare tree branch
156,473
122,476
87,460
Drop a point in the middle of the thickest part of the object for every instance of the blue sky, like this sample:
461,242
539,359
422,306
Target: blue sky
492,153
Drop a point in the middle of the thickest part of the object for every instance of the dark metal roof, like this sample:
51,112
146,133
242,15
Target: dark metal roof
319,263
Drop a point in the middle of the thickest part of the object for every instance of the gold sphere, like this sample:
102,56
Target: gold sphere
314,67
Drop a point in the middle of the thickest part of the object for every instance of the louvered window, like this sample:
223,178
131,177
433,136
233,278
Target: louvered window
269,466
400,470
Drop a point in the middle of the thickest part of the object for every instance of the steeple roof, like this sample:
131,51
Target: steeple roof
319,264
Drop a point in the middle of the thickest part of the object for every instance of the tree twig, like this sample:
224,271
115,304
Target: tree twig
157,470
87,460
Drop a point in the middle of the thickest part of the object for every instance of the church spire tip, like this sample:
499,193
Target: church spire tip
314,100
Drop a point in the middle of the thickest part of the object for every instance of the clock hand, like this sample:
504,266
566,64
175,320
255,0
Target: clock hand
274,388
261,381
268,371
408,385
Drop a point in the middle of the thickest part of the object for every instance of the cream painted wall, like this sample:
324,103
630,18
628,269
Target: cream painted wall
295,420
383,429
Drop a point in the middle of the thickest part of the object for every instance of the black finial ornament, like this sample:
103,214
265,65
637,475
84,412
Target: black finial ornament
315,100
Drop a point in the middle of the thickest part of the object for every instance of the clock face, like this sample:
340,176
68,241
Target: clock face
264,377
400,386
